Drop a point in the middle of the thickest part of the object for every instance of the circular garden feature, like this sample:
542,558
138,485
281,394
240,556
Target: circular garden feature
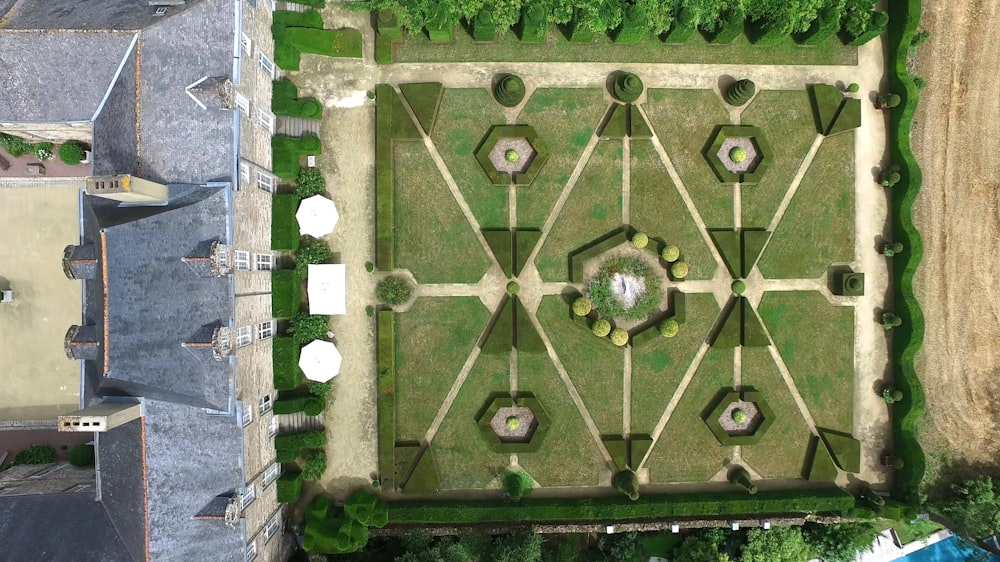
511,153
625,287
739,418
512,425
627,87
509,90
738,154
738,287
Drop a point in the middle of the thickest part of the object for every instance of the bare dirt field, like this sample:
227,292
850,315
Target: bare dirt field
957,212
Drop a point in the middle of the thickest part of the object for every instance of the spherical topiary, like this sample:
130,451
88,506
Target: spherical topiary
513,422
679,270
513,288
313,406
393,290
509,90
619,337
81,455
889,100
671,253
738,287
853,88
890,178
312,108
582,306
71,153
511,156
740,92
739,416
601,328
738,155
640,240
891,394
669,328
627,87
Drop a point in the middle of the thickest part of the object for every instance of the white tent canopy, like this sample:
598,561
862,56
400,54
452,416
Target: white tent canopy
320,361
317,216
327,289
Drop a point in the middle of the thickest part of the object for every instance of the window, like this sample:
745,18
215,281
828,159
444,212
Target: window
244,173
265,182
273,525
249,494
266,64
244,336
243,103
265,404
241,259
271,473
247,44
251,551
265,330
247,416
265,119
272,428
265,261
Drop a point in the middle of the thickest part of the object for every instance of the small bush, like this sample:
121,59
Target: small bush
887,101
17,147
627,87
36,454
320,389
312,252
601,328
71,153
739,287
516,484
853,88
919,82
890,320
669,328
738,155
306,327
513,288
671,253
740,92
315,466
309,405
81,455
619,337
891,394
289,487
741,478
679,270
890,249
309,182
889,178
739,416
627,483
393,290
640,240
582,306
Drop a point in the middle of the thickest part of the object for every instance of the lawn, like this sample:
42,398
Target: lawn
818,226
687,451
569,456
417,48
464,459
684,121
463,120
433,238
659,366
433,341
816,342
565,120
786,119
781,452
594,365
657,209
593,208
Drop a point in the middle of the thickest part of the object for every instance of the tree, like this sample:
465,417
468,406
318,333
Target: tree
315,465
623,547
839,542
601,328
974,507
891,320
890,249
740,92
525,546
627,483
516,483
582,306
780,544
887,101
853,88
309,182
71,153
306,327
313,251
393,290
702,546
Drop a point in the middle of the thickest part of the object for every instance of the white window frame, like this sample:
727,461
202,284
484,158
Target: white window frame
272,428
273,526
241,260
244,173
271,473
265,181
265,119
246,43
244,336
249,494
247,416
265,330
243,103
265,63
264,261
265,404
251,552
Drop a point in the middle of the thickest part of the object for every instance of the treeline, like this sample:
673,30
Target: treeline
765,21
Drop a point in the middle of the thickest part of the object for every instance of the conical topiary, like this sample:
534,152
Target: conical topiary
740,92
627,88
509,90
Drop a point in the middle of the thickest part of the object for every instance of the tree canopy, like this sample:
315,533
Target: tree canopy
974,507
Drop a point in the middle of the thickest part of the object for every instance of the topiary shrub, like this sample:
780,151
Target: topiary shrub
513,288
483,26
671,253
889,178
81,455
890,249
627,483
739,416
36,454
601,328
740,92
71,153
511,156
515,484
289,487
582,306
315,466
738,155
320,389
309,182
306,327
640,240
509,91
740,477
679,270
669,328
890,321
888,101
619,337
739,287
627,87
891,394
853,87
312,252
393,290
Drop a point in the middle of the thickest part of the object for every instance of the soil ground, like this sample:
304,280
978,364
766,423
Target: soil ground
958,216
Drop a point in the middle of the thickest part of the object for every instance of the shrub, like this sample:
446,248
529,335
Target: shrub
739,416
739,287
738,155
309,182
315,466
670,253
306,327
876,26
891,394
853,88
619,337
627,87
890,320
71,153
312,252
285,152
36,454
683,26
393,290
635,24
824,27
669,328
582,306
679,270
483,26
388,26
534,22
627,483
289,487
740,477
320,389
289,445
310,405
285,362
509,91
890,249
889,178
919,82
609,303
730,27
601,328
515,484
640,240
81,455
513,288
887,101
740,92
17,147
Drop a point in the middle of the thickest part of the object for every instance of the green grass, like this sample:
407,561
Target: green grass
568,456
781,452
687,451
684,121
565,120
661,365
432,239
463,120
816,342
464,458
417,48
593,209
658,210
786,119
595,366
433,340
337,43
818,226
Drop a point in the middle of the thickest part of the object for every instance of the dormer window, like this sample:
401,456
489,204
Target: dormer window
244,336
241,260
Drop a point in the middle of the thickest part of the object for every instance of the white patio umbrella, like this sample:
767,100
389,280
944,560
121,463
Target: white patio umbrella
317,216
320,361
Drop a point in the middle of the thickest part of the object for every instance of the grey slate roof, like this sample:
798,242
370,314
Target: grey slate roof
120,454
81,14
58,528
115,140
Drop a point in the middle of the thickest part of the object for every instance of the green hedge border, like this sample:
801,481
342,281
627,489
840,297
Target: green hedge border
726,440
385,334
384,249
904,19
499,400
498,132
738,131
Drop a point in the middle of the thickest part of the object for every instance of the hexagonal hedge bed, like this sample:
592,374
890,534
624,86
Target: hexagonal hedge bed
498,132
502,400
756,136
712,419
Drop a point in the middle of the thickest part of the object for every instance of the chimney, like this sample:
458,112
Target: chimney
100,417
80,343
80,262
127,188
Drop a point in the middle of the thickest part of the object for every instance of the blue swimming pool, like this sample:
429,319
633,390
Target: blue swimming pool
951,549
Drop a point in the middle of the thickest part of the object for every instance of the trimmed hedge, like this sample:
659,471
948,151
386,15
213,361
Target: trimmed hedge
289,487
599,246
387,25
502,244
525,240
384,250
683,27
635,25
876,27
627,87
825,26
81,455
526,338
309,405
509,91
617,447
615,124
845,449
534,23
336,43
728,244
499,337
499,400
284,226
424,478
730,27
285,153
821,468
287,444
286,293
483,27
740,92
284,101
618,508
385,325
848,118
424,99
285,362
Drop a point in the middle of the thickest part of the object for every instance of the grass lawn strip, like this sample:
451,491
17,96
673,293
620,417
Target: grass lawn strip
569,456
464,459
594,365
565,119
556,48
463,119
781,452
687,451
433,238
818,226
786,119
592,209
660,365
658,210
816,342
433,341
684,121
